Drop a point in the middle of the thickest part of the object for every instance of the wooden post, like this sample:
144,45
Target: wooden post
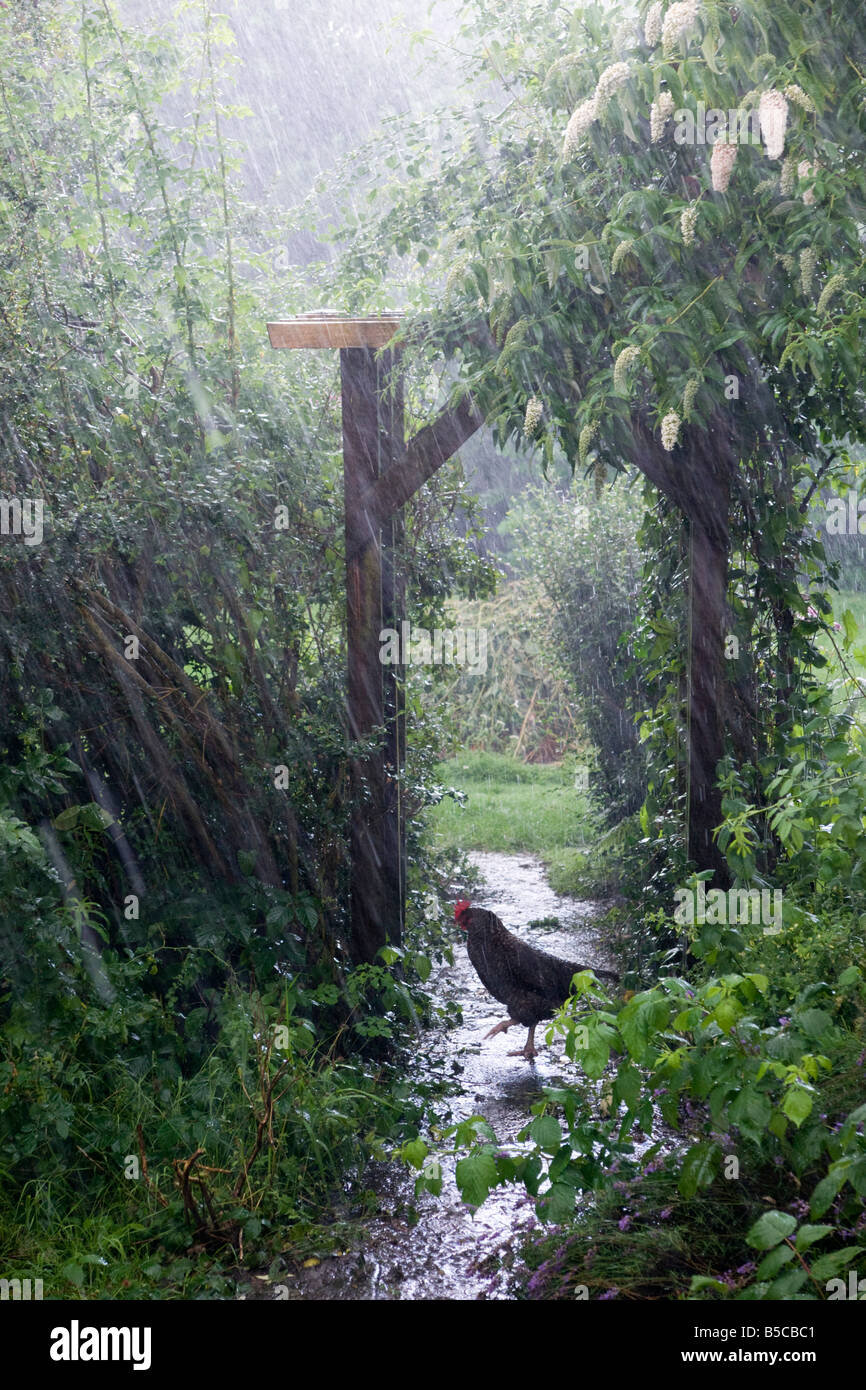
392,432
381,472
372,437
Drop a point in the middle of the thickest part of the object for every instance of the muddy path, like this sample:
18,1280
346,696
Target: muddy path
449,1253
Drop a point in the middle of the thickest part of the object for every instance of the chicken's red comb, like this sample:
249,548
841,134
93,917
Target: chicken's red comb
463,905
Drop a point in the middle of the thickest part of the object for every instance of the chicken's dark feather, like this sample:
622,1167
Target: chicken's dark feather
530,983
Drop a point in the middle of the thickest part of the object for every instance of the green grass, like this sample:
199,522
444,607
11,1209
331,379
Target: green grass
510,806
856,603
595,872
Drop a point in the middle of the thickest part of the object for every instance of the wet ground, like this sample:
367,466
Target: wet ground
449,1253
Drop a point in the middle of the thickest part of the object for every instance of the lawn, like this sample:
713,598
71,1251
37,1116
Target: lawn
509,805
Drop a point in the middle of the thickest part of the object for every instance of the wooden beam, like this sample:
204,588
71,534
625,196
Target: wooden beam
425,454
372,442
334,331
391,413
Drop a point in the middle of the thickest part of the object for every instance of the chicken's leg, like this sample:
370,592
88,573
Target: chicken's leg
528,1050
502,1027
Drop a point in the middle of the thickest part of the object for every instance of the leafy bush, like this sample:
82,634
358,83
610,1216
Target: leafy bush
584,550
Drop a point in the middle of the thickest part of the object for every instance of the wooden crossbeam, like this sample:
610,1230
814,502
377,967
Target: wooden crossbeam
334,331
426,452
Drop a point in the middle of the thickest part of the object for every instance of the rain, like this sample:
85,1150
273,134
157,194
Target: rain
431,554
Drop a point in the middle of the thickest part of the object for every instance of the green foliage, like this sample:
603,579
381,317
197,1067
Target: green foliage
521,703
583,547
176,982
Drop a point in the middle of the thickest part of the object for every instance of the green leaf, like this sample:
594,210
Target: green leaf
751,1111
430,1179
813,1022
545,1132
797,1104
422,966
787,1285
559,1202
825,1193
726,1014
247,862
95,817
770,1229
772,1263
699,1167
807,1235
777,1124
703,1281
476,1174
414,1152
828,1266
760,982
626,1087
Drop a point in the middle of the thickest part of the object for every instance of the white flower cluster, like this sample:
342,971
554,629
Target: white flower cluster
773,118
680,18
653,24
800,98
808,265
532,421
688,222
833,286
562,65
585,438
456,274
588,111
660,112
515,335
582,118
693,385
623,365
722,162
788,178
670,430
804,171
610,80
624,250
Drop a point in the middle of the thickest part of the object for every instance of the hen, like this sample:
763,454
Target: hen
531,984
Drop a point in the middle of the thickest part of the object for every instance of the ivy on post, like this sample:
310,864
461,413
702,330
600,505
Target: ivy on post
381,472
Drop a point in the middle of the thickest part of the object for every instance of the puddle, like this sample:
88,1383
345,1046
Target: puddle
449,1253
